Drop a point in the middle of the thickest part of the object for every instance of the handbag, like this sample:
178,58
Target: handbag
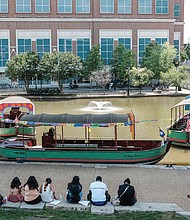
116,200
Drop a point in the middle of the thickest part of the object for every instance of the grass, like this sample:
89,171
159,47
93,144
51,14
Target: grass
58,214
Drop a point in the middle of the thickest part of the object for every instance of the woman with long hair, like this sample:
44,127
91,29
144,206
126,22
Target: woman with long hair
47,191
15,194
32,193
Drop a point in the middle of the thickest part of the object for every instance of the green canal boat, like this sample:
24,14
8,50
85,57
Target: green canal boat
11,109
57,147
179,129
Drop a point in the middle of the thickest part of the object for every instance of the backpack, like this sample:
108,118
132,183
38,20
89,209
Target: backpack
73,194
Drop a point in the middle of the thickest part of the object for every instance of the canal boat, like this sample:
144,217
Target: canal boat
57,147
179,129
11,109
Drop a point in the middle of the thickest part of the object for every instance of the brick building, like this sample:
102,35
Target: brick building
75,25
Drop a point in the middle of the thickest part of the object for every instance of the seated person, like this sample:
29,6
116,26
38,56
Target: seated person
98,192
14,113
74,190
31,192
126,194
47,191
15,191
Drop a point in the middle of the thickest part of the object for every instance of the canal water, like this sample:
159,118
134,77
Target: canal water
150,113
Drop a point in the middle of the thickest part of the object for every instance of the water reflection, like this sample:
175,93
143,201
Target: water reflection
151,113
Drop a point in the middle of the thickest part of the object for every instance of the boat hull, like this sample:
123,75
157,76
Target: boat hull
13,131
179,138
116,156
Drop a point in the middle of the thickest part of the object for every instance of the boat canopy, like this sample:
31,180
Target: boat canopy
16,102
184,102
76,120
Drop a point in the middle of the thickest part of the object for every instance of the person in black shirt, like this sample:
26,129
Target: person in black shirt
127,194
74,190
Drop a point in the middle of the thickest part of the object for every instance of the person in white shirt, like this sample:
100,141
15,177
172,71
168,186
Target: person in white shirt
47,191
98,192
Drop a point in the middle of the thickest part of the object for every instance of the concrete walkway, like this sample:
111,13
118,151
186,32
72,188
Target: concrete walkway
153,184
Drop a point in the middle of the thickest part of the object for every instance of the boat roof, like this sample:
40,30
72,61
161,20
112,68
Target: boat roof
77,120
183,102
16,101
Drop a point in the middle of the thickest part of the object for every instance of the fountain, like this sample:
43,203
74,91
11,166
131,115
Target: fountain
100,106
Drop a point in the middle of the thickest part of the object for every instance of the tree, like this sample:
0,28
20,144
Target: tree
93,62
61,66
140,77
151,58
23,67
167,57
101,77
175,76
187,50
122,60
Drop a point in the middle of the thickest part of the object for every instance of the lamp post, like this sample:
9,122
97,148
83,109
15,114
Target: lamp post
128,78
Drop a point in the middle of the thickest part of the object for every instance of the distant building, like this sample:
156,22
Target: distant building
75,25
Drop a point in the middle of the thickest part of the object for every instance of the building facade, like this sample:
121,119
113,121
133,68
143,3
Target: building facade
75,25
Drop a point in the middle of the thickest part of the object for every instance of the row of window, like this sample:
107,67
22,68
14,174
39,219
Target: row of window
82,47
83,6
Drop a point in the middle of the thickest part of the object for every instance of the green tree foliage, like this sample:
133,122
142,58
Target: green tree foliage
60,66
140,77
122,60
167,57
187,50
183,56
101,78
175,76
151,58
93,62
23,67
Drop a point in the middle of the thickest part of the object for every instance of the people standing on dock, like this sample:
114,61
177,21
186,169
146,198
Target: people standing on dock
98,192
127,194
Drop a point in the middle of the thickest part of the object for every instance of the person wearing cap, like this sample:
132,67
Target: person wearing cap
74,190
127,194
98,192
47,191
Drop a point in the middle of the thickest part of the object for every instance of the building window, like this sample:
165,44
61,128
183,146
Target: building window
161,6
161,41
3,6
23,6
83,6
107,46
176,10
126,42
65,45
106,6
42,6
145,6
4,52
42,46
64,6
143,42
124,6
176,45
83,47
24,45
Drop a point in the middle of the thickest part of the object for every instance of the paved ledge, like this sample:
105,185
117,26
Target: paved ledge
38,206
68,206
8,204
185,214
161,207
105,209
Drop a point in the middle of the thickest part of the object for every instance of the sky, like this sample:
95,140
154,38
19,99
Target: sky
187,21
